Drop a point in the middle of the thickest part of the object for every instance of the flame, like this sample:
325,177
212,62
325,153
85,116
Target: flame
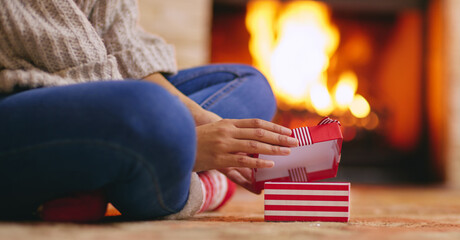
345,90
259,20
306,39
292,43
321,99
360,107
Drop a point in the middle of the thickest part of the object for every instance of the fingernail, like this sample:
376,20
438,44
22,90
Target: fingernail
269,164
293,141
285,150
286,131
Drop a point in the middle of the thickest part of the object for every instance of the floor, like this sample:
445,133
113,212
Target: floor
377,212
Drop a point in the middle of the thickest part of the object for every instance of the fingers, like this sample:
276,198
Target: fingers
218,143
239,176
245,172
259,136
263,135
236,160
252,146
259,123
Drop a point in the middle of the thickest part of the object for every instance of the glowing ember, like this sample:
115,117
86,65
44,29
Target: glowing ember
371,121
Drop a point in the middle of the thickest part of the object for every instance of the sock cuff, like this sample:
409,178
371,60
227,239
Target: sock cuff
194,202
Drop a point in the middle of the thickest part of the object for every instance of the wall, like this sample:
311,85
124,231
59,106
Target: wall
184,23
451,9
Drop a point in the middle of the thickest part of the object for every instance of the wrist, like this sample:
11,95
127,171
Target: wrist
203,116
200,115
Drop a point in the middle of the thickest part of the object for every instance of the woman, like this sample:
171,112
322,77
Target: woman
69,125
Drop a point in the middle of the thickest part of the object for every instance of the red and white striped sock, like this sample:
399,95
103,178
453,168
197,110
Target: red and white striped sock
217,190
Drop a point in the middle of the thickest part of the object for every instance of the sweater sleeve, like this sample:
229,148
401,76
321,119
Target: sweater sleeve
138,53
49,43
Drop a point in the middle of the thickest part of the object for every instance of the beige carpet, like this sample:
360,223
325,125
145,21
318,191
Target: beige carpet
377,212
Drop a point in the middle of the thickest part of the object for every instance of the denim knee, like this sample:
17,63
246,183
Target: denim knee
164,131
262,94
158,122
150,122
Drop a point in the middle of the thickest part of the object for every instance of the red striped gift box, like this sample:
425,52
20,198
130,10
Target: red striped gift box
317,156
291,201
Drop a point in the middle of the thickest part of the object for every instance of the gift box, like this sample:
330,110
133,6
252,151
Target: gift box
291,201
317,156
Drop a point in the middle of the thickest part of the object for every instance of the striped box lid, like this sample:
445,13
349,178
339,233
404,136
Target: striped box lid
317,157
320,201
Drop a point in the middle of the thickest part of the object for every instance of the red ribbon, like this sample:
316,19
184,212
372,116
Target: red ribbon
303,134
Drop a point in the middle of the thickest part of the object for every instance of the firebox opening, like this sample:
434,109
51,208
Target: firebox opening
362,66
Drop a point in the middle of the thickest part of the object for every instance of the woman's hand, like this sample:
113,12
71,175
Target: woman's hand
241,176
227,143
203,116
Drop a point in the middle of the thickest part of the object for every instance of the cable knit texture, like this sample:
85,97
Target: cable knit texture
61,42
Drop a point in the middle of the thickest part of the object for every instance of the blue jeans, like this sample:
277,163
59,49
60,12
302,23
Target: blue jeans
130,138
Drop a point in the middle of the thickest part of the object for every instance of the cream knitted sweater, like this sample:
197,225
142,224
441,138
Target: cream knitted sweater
60,42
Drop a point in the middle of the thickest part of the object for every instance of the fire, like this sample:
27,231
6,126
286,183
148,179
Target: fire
259,20
360,107
292,44
321,99
345,90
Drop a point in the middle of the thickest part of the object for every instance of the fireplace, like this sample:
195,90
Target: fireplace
362,62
